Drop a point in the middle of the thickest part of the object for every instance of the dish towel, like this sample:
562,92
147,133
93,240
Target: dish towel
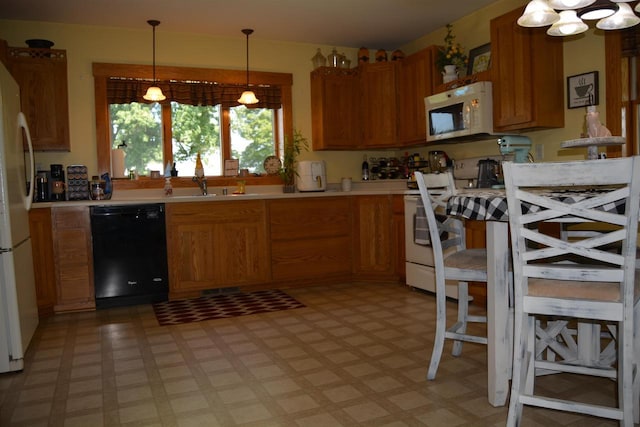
421,226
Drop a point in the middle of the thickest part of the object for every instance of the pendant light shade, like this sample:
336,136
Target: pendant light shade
609,14
569,24
538,13
248,97
623,18
154,93
570,4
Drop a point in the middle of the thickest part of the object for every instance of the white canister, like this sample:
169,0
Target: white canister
346,184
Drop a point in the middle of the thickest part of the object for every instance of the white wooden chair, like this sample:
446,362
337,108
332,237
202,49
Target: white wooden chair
581,279
452,261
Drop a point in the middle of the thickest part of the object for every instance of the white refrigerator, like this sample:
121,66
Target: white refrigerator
18,305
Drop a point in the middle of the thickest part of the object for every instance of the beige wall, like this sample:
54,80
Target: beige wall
85,45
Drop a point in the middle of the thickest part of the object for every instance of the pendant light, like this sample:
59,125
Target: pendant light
154,93
248,97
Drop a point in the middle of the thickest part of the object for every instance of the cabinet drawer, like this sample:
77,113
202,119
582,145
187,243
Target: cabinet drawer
215,212
310,258
70,217
304,219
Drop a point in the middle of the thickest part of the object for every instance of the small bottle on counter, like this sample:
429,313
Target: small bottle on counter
365,169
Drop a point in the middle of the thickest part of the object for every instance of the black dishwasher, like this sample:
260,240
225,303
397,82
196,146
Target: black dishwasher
129,254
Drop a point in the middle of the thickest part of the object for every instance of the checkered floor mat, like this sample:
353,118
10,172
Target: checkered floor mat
222,306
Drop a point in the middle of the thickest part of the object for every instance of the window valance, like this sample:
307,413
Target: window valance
125,91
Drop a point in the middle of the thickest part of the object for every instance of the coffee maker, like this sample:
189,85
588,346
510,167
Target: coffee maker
58,192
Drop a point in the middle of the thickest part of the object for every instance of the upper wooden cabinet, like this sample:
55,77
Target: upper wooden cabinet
528,78
378,104
42,76
415,80
334,107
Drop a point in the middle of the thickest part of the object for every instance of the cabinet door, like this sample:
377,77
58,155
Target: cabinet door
244,256
378,95
216,245
527,76
43,264
373,237
414,83
334,107
42,76
73,256
310,238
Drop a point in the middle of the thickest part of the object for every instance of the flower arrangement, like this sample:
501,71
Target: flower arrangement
452,53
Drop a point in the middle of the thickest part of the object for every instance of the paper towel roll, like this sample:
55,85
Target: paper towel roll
117,163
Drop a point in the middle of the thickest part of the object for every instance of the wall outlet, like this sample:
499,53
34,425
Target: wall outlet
539,153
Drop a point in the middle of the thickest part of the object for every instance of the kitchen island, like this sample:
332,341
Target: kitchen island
261,239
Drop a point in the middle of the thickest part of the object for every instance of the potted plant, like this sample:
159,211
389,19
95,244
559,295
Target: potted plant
451,54
291,151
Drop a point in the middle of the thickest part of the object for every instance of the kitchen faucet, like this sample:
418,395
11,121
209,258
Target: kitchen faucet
202,183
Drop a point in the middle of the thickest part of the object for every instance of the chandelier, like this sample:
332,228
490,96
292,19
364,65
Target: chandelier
567,17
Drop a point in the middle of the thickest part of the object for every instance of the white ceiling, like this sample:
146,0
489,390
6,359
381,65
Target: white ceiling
376,24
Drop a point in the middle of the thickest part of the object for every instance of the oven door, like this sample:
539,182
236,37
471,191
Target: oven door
418,254
419,267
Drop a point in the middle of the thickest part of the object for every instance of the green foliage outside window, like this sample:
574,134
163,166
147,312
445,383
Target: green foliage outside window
195,129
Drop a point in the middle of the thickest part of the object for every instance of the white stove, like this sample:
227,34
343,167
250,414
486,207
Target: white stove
419,258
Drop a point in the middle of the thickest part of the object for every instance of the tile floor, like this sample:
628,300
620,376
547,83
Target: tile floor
356,355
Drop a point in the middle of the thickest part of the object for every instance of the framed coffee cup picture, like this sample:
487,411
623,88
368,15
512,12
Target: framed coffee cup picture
582,90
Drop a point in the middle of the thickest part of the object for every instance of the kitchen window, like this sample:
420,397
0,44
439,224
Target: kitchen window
137,127
206,98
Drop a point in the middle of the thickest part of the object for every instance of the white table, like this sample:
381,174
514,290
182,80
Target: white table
491,206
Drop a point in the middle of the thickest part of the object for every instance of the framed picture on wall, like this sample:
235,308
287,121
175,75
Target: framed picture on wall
582,90
479,59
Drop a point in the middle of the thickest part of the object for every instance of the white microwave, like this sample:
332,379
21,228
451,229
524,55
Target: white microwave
463,112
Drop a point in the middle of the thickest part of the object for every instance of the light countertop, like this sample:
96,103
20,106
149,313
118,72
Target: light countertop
252,192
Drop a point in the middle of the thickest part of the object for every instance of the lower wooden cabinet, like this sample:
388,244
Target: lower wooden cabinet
397,237
373,240
73,258
310,238
216,245
239,243
43,262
